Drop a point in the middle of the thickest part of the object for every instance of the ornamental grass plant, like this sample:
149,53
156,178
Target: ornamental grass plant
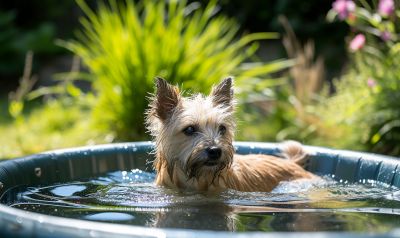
125,45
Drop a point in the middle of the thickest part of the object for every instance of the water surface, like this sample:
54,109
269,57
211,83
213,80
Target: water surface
130,197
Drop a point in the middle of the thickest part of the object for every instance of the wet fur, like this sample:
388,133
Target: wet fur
181,160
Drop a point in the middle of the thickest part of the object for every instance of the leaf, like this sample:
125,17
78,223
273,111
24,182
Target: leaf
15,108
331,15
73,90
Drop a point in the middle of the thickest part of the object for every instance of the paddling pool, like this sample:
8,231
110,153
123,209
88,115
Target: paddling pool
106,191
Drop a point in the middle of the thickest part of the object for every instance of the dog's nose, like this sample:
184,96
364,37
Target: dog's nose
214,152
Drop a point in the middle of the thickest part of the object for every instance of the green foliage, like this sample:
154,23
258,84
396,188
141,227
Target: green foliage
341,120
126,45
365,110
263,117
57,124
63,120
384,71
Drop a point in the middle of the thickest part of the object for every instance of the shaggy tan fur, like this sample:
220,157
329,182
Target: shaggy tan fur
186,129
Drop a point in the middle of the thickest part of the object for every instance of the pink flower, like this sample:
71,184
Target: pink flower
371,82
357,42
343,8
386,36
386,7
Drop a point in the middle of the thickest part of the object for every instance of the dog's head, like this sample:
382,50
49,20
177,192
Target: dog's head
194,133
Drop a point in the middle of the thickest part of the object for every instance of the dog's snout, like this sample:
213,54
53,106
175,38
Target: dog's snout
214,152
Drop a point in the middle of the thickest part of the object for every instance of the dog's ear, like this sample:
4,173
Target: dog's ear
167,98
222,94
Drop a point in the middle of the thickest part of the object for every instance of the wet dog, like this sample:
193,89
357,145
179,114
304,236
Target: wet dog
193,144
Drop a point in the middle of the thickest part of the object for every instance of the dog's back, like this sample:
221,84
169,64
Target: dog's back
258,172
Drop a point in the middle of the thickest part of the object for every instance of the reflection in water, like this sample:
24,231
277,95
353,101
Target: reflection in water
68,190
131,198
215,216
109,216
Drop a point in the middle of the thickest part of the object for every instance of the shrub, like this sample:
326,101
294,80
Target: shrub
126,45
364,113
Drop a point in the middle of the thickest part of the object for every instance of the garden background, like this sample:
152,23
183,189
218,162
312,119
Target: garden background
326,73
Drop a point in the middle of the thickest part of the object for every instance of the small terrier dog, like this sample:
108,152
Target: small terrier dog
193,145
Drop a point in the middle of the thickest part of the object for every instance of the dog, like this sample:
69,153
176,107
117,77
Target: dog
193,144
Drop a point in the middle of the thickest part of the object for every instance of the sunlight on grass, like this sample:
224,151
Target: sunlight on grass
46,128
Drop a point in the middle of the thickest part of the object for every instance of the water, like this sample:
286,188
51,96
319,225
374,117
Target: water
130,197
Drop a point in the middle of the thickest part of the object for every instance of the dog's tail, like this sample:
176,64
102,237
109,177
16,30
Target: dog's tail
295,151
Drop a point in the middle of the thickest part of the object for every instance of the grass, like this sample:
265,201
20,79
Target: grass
55,125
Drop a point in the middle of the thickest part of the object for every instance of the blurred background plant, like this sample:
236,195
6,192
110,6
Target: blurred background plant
365,110
122,45
125,46
284,108
361,111
62,121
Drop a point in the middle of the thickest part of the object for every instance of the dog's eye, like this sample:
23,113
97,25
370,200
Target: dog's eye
222,129
189,131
